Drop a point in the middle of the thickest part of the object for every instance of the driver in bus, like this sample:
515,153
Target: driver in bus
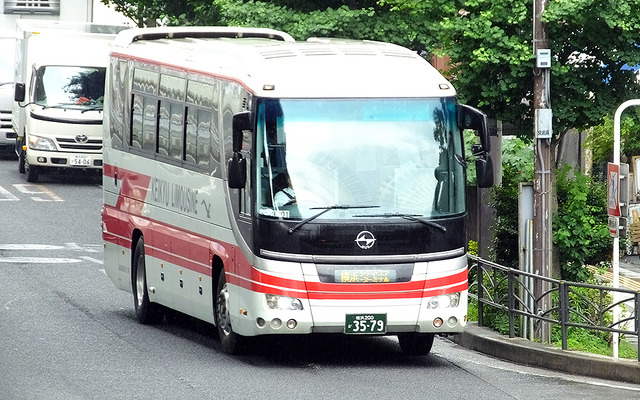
284,193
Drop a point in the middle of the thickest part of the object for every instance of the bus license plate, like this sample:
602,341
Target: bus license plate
365,324
80,160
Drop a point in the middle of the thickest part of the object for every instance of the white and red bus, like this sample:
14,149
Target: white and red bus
205,131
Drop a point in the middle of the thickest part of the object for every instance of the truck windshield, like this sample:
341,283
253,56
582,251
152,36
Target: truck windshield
370,157
69,87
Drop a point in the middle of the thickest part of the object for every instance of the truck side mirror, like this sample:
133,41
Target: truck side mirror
19,92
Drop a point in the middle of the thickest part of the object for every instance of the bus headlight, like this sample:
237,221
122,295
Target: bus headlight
445,301
276,302
40,143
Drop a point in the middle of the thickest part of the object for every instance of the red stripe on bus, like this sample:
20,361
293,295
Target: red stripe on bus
167,243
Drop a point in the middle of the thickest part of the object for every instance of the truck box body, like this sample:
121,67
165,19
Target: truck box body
7,48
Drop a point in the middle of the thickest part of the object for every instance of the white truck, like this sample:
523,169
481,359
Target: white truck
7,48
58,98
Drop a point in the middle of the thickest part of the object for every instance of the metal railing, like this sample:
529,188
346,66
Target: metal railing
532,300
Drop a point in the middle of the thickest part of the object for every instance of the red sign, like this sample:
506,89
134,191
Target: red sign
613,190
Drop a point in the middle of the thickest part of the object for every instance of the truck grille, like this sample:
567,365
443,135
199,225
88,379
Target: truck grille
94,145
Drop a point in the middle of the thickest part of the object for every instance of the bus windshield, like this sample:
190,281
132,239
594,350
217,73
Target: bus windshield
359,158
70,87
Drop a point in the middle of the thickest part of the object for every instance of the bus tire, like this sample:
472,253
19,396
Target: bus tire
231,342
416,344
146,311
31,171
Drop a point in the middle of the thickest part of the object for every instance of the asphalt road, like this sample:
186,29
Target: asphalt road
67,333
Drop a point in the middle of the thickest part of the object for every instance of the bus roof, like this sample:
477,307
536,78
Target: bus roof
271,64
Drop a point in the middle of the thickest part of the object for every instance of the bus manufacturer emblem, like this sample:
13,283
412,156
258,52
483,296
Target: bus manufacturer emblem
365,240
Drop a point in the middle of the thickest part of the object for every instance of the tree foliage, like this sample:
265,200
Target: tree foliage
490,45
581,230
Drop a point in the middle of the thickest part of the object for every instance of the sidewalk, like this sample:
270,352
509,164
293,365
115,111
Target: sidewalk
523,351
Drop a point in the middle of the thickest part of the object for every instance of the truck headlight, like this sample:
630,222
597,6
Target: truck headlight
445,301
276,302
40,143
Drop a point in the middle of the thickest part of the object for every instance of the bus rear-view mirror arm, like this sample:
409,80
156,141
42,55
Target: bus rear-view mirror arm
471,118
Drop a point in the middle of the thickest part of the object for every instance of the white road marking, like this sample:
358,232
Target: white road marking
26,188
29,247
38,260
5,195
93,260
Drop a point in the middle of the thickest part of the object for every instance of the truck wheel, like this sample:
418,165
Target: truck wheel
416,344
31,171
231,342
146,311
21,161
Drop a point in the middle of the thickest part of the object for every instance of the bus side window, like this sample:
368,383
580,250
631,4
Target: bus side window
136,122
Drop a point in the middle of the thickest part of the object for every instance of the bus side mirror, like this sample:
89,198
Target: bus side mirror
484,171
241,122
19,92
237,170
237,166
471,118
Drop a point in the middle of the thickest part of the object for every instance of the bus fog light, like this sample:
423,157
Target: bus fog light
260,322
292,323
276,302
437,322
452,321
276,323
445,301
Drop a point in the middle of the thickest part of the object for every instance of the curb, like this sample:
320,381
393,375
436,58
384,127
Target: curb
525,352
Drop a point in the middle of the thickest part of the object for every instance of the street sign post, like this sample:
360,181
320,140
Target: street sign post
615,259
613,198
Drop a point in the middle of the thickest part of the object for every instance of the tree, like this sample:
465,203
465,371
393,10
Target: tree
363,19
490,46
146,13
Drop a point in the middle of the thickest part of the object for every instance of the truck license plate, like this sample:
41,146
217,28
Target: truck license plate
80,160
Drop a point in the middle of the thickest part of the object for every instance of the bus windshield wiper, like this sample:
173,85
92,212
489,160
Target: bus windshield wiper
324,210
410,217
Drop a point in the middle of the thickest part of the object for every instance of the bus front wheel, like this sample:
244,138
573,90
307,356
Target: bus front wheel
146,311
416,344
231,342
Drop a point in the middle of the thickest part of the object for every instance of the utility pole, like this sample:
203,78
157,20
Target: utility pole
542,168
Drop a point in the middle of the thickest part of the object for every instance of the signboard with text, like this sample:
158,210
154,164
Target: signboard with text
613,190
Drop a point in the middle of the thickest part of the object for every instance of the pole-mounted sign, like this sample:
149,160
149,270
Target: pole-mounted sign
613,198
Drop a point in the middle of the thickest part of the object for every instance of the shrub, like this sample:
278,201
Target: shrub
581,232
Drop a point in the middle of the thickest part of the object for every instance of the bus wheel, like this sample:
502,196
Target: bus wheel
416,344
146,311
231,342
31,171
